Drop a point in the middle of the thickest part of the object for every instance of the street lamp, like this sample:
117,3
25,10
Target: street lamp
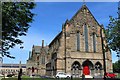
103,51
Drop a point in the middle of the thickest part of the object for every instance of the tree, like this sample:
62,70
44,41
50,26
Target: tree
116,66
16,17
113,33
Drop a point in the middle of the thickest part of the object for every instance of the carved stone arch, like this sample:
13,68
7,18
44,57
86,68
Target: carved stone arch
76,69
98,68
87,67
89,63
98,65
76,64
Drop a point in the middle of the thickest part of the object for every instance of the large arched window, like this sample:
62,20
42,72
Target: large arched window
94,43
76,69
98,68
78,41
86,38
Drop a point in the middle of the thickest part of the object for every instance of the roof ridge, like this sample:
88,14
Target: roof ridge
78,11
83,6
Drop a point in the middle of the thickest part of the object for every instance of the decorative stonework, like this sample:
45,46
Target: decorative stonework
83,17
63,54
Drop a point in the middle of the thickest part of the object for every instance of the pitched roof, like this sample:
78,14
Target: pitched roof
55,38
37,49
13,65
80,11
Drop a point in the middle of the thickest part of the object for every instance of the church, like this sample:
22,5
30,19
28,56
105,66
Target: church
77,49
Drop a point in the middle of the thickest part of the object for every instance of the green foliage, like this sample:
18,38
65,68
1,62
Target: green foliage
118,75
16,17
116,66
113,33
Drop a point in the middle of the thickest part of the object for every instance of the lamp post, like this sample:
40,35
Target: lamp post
103,51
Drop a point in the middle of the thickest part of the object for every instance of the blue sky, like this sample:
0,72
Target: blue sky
48,23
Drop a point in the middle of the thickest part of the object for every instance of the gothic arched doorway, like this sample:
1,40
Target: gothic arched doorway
76,69
98,68
87,67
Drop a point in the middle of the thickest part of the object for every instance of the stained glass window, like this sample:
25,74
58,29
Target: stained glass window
94,43
78,41
86,38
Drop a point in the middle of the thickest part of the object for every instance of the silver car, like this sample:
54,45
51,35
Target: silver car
63,75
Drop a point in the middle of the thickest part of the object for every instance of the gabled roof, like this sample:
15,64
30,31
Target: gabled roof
44,49
37,49
55,38
80,10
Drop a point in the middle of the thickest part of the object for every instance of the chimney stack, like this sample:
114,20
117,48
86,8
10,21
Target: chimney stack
42,43
20,65
29,54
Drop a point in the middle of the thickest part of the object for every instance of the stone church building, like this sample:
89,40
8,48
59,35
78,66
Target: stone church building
37,60
77,49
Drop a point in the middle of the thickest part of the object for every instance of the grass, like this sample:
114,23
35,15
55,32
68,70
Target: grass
25,76
118,75
38,79
28,78
54,79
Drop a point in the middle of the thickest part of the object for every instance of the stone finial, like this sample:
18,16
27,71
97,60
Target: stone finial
42,43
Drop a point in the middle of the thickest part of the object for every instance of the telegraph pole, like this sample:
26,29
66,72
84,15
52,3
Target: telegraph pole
103,51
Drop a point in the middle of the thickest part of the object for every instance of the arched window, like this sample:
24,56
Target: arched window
78,41
94,43
76,69
86,38
43,59
98,67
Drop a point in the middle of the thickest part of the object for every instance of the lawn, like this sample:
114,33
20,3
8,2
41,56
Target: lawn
57,79
38,79
118,75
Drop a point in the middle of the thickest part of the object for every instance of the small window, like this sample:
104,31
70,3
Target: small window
78,41
43,59
86,38
94,43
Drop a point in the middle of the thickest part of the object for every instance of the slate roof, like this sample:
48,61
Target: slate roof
39,49
13,65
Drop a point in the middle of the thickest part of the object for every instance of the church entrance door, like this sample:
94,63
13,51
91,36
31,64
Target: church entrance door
86,70
87,67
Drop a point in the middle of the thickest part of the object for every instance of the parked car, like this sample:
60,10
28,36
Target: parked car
63,75
10,75
110,75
